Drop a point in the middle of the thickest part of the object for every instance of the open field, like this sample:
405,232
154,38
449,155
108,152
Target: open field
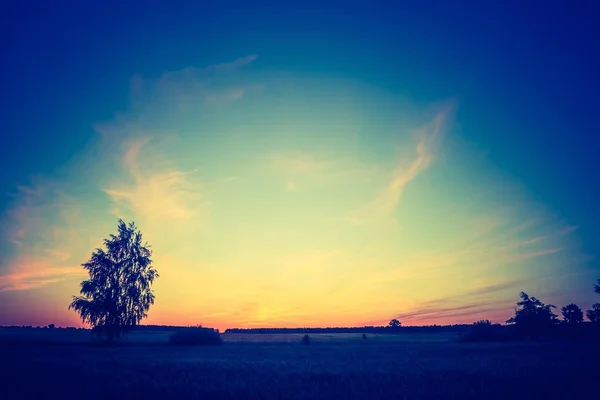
52,336
66,365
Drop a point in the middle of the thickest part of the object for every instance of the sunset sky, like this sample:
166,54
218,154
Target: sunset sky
304,166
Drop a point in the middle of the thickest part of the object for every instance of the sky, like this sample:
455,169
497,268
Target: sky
336,164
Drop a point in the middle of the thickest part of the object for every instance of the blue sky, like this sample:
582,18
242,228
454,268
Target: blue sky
521,83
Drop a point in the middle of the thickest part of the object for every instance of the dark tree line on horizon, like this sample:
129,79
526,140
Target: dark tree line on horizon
363,329
118,295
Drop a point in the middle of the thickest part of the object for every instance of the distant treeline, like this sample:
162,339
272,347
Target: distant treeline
51,326
166,328
305,330
363,329
477,331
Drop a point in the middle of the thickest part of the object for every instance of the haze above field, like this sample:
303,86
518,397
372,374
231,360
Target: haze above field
302,167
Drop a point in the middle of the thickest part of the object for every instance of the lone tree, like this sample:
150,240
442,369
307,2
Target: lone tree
532,317
118,293
395,324
572,314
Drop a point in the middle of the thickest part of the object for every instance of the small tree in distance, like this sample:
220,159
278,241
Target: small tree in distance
118,293
395,324
572,314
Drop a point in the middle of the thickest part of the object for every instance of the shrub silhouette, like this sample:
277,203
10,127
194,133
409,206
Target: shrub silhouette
197,336
483,326
305,339
482,330
532,317
572,314
118,293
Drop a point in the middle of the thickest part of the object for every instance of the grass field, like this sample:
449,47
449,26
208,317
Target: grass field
65,364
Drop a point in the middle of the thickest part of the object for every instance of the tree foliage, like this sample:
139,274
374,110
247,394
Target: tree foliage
395,323
594,314
572,314
118,294
532,317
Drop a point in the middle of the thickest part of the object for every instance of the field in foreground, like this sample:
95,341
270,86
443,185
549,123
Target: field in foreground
340,368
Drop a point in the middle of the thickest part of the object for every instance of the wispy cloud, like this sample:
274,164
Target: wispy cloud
232,66
454,315
36,274
149,193
474,303
193,87
39,226
485,302
428,140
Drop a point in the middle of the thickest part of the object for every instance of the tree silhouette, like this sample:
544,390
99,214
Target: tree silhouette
118,293
572,314
533,317
594,314
395,323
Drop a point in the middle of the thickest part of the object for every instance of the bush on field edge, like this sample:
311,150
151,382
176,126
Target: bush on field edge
485,331
197,336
